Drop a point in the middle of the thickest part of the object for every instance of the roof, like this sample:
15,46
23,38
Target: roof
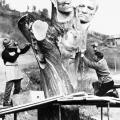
114,37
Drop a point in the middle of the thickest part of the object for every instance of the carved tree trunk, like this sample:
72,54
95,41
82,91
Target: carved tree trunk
54,77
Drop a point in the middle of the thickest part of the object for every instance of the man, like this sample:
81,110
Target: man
95,45
13,74
100,66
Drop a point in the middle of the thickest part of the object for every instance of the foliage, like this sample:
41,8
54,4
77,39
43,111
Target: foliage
45,13
112,56
33,73
1,98
34,8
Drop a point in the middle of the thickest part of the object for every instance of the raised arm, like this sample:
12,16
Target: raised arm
25,49
91,64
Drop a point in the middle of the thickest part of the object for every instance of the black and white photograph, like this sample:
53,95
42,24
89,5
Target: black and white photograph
59,60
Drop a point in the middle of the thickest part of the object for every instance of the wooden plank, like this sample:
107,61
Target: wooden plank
27,97
64,100
91,100
82,102
29,106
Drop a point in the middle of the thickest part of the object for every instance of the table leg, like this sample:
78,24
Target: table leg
108,110
59,112
101,113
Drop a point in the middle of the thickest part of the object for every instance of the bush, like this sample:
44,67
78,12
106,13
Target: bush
113,58
33,73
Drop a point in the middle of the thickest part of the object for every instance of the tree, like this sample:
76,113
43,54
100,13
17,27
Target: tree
39,12
3,2
45,13
34,8
7,7
28,8
0,2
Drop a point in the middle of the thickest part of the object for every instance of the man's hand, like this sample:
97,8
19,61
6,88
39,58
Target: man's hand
16,44
82,55
28,44
18,50
82,52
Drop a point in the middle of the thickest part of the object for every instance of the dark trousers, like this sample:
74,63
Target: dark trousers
104,87
8,89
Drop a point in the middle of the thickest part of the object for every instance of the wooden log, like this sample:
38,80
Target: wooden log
24,98
27,97
54,77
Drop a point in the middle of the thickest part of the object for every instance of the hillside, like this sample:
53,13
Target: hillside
9,19
8,24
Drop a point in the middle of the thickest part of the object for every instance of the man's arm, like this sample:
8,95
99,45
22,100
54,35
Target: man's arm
25,49
91,64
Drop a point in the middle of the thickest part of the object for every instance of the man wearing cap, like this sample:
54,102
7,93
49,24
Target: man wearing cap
103,73
13,75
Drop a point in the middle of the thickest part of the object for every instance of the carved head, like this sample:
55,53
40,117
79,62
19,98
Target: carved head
64,6
86,10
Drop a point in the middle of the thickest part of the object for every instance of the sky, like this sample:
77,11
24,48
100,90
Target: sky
106,20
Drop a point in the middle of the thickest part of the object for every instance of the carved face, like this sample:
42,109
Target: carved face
67,51
69,44
86,10
64,6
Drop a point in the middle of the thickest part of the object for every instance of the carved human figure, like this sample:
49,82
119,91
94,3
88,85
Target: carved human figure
60,48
